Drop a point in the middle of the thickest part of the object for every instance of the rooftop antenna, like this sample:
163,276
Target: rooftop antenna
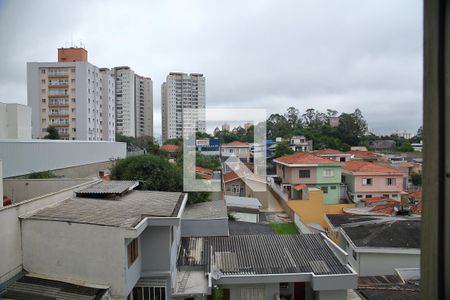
71,40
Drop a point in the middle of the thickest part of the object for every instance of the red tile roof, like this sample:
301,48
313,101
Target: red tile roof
387,209
230,176
299,187
328,151
304,158
205,173
362,154
169,148
417,208
368,167
405,165
379,199
236,144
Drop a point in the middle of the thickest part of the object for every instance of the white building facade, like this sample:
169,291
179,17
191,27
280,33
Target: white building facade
15,121
68,95
134,103
181,95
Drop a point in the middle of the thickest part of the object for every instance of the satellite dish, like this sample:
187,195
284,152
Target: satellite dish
216,274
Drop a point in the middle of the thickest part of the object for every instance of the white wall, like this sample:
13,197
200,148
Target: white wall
373,264
15,121
64,249
10,229
24,157
1,184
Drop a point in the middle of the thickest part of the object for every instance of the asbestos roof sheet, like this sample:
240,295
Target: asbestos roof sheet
125,212
206,210
109,187
389,234
33,288
262,254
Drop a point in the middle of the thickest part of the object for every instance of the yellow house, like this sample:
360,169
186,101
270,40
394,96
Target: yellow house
313,211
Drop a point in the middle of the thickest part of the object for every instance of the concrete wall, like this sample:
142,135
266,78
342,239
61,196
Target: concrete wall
23,189
10,229
292,174
271,290
372,264
1,183
64,249
259,192
204,227
155,245
15,121
24,157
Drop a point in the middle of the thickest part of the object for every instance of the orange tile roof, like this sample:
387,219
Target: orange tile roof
406,165
387,209
236,144
299,187
417,208
379,199
365,166
304,158
205,173
328,151
362,154
416,195
230,176
169,148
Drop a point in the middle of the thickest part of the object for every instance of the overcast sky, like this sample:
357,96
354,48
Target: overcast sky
255,54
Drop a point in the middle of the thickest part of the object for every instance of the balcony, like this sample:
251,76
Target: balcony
55,86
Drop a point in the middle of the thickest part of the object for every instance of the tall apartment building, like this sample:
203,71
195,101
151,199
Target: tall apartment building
134,103
71,95
179,94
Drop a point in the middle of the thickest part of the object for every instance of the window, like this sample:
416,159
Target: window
133,251
394,195
369,196
235,188
304,173
324,189
333,187
355,256
367,181
149,293
359,196
390,181
43,100
328,173
42,71
43,80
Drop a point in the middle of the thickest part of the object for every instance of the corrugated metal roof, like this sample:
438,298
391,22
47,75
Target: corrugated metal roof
248,202
116,187
33,288
262,254
126,212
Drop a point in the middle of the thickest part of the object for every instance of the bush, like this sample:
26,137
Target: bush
156,172
41,175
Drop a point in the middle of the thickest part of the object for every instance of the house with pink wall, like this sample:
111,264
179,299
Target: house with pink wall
368,180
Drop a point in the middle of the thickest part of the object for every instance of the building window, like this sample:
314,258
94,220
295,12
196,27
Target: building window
133,251
359,196
355,256
333,187
149,293
235,188
328,173
42,71
366,181
72,70
394,195
43,100
390,181
324,189
43,80
304,173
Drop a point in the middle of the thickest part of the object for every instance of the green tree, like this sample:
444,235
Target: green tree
282,149
207,161
52,134
202,135
41,175
405,147
416,179
352,127
418,137
156,173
